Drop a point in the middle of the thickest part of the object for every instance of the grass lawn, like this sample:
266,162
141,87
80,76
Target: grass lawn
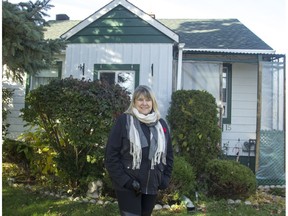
18,201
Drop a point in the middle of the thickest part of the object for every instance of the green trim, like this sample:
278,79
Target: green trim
227,120
59,66
244,160
135,67
120,26
28,80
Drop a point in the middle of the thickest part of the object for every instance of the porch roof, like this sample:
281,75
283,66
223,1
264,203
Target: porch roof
215,34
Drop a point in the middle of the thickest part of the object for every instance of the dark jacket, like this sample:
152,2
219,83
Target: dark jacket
118,160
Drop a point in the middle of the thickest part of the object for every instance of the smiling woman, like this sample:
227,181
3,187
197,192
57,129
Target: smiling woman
139,154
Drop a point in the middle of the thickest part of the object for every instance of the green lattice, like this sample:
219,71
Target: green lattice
272,158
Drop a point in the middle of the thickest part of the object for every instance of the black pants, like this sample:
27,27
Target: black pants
132,205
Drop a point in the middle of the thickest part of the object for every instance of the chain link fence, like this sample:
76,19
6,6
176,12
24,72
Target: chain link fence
271,169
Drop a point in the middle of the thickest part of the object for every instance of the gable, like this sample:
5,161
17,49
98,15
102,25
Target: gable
119,26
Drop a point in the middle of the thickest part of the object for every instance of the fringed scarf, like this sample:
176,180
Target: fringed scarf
157,150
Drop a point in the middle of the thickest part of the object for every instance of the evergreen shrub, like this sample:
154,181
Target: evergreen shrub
183,181
76,116
195,133
230,179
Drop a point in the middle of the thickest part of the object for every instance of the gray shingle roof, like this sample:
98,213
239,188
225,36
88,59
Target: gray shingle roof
215,34
196,34
57,28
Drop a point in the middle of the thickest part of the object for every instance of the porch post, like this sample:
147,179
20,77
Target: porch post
179,68
259,108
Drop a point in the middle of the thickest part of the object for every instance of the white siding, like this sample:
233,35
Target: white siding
244,107
160,55
16,123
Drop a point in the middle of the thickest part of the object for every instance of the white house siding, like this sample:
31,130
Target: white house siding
244,108
16,123
160,55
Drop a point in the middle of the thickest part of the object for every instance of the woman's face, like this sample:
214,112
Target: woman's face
143,105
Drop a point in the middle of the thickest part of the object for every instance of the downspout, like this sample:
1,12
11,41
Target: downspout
179,67
259,108
284,75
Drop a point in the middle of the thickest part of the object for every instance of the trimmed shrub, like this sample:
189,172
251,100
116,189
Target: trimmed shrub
76,117
229,179
195,133
183,181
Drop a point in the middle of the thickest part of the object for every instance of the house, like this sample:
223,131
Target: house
221,56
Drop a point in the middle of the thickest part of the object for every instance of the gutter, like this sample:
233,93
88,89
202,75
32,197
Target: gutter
238,51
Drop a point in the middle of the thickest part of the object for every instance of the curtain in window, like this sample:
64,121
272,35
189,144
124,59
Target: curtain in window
202,76
272,117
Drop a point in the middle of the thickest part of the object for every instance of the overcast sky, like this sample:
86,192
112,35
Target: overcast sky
266,18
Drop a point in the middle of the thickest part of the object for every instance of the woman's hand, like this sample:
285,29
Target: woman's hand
134,185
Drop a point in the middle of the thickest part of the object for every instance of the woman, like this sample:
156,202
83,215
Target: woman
139,155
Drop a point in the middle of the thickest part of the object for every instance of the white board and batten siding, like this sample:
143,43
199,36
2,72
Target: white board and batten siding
16,127
244,108
160,55
206,75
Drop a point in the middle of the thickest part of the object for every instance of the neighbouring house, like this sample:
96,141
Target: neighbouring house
221,56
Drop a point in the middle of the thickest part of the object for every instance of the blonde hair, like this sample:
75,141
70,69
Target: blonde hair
143,90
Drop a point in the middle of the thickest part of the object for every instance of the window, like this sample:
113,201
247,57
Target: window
226,93
125,79
45,76
127,76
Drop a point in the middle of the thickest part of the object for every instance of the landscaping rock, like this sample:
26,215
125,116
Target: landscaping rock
247,202
94,189
237,201
230,201
107,202
157,207
93,201
76,199
166,207
100,202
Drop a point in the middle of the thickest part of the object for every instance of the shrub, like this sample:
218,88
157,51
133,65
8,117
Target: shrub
229,179
17,152
195,133
182,181
76,116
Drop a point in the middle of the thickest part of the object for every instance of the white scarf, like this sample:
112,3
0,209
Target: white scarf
135,143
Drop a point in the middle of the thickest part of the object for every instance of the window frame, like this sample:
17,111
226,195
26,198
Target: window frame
118,67
29,80
227,119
